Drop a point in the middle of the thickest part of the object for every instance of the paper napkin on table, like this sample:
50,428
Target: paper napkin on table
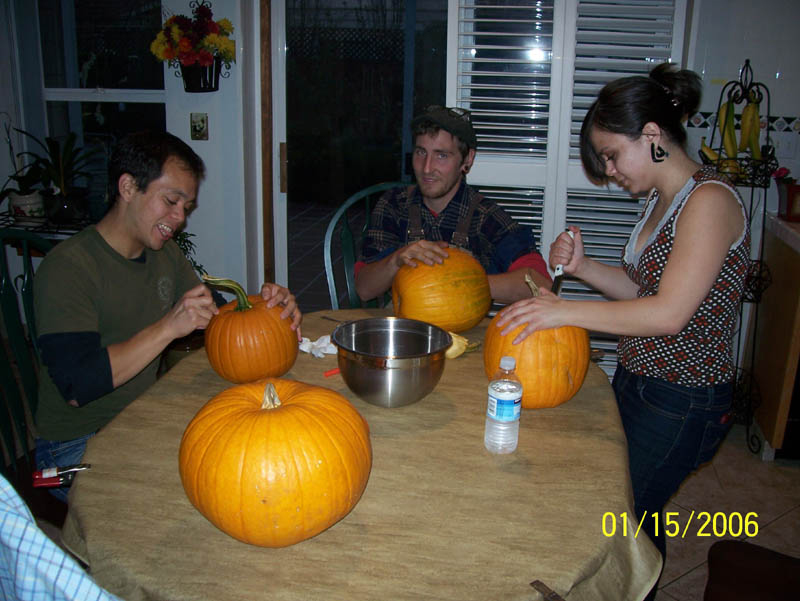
320,347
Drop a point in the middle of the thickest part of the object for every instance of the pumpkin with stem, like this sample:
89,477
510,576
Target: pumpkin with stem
453,295
247,340
551,363
274,462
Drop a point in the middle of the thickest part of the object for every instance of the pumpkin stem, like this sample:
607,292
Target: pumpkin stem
532,285
271,400
242,304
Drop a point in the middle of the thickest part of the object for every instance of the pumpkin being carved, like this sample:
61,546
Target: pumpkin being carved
247,340
274,462
551,364
453,295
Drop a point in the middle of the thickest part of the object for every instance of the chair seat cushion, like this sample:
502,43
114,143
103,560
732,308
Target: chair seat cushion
742,571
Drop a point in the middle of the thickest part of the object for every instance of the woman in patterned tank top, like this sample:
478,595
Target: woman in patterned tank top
676,296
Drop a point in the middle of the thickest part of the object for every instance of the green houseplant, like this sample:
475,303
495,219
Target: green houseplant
23,187
52,167
61,164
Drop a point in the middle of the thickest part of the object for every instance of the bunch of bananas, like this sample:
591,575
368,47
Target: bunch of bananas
750,128
748,137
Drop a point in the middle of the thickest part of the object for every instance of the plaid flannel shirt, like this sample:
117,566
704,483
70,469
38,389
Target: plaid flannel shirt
495,239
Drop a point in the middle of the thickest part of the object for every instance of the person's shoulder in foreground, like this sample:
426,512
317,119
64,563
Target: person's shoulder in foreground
33,567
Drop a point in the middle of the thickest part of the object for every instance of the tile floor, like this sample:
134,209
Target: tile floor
735,481
307,281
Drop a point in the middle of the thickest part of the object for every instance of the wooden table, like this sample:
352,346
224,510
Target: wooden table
441,518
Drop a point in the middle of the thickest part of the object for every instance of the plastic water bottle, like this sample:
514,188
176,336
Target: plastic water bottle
503,409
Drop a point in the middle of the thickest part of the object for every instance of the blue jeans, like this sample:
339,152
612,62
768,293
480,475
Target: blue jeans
58,453
671,430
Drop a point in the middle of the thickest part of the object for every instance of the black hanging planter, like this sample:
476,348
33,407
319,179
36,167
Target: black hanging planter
197,78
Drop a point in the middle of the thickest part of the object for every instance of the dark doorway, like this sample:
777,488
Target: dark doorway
348,90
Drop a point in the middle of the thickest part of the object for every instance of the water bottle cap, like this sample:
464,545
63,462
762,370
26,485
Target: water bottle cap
508,363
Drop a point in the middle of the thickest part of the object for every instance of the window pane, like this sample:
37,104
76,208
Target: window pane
99,125
100,44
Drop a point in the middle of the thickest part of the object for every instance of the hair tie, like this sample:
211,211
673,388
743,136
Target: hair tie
673,100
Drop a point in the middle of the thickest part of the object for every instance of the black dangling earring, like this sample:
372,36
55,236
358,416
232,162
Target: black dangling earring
657,154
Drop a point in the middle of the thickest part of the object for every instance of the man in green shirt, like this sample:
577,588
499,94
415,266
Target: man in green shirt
111,298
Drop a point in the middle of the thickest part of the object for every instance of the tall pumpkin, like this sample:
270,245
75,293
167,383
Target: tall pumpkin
453,295
247,340
274,462
551,364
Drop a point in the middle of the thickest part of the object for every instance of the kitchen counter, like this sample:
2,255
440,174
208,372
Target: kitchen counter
787,231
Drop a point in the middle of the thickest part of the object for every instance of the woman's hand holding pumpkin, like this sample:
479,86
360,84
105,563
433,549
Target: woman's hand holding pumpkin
194,310
539,313
278,295
424,251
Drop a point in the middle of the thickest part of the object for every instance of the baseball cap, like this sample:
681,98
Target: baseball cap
454,120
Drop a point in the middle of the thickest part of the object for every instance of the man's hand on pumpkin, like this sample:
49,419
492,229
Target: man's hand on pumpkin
424,251
278,295
194,310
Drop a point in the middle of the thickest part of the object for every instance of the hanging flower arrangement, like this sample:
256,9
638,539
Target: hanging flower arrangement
185,42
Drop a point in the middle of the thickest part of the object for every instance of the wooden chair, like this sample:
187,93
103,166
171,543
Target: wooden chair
18,366
351,220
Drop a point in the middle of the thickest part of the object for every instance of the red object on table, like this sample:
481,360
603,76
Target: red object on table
789,202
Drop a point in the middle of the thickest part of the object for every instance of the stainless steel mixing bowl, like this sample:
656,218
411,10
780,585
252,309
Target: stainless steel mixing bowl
390,361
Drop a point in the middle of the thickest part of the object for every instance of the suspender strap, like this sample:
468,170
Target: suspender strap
415,231
460,237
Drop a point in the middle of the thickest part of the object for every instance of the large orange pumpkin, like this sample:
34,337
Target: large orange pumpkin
247,340
274,462
551,364
453,295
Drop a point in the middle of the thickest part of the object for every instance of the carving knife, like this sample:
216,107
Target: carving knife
558,274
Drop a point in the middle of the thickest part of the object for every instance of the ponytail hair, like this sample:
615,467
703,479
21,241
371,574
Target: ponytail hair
666,97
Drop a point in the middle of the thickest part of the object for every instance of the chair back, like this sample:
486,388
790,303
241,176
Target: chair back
19,389
351,220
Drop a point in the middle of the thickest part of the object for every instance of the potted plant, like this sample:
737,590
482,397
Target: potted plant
60,166
23,187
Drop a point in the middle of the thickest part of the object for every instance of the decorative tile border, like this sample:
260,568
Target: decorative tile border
705,120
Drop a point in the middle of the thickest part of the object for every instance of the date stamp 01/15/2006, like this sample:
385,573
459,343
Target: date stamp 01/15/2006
700,524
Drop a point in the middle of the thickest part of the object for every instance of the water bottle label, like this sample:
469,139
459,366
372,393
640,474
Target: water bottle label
504,410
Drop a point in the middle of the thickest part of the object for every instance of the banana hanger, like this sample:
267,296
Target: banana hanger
740,155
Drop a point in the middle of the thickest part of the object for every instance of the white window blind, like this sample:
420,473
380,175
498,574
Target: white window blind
522,204
616,39
504,56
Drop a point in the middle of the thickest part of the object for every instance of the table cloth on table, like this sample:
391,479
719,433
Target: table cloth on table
441,518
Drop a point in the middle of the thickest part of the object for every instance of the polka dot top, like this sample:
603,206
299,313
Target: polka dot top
702,353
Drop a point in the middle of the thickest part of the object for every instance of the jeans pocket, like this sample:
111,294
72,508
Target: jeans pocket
663,400
51,453
713,435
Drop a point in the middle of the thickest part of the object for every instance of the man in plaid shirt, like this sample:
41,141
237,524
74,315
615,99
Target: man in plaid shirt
418,223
